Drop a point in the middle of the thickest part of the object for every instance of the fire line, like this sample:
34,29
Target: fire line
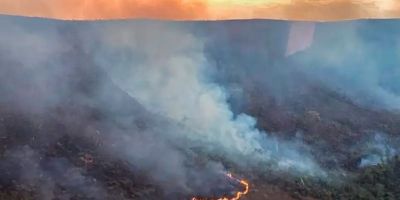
238,194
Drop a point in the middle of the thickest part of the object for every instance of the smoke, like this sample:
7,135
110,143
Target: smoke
357,63
170,75
29,167
59,91
301,36
147,90
379,148
349,81
161,96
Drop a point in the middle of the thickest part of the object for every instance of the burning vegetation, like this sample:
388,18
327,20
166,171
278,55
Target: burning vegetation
156,110
236,196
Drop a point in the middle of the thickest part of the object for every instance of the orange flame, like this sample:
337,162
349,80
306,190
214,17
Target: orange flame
238,194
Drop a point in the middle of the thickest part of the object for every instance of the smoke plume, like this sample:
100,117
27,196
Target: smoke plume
147,89
183,101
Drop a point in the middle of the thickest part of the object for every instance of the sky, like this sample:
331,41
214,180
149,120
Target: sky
316,10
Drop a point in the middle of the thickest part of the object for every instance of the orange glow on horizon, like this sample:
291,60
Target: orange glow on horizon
316,10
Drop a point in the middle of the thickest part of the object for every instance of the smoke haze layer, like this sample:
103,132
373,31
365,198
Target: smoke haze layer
161,96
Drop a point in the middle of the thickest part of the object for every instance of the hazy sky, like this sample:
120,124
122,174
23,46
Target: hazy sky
204,9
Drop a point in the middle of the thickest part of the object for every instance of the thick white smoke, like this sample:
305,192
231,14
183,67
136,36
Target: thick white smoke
165,69
162,66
